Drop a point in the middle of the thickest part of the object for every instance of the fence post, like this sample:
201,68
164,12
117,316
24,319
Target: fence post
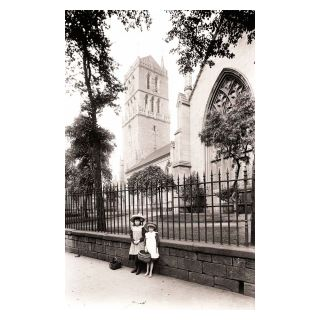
245,178
205,207
253,230
190,177
185,207
220,212
212,205
228,204
198,204
179,208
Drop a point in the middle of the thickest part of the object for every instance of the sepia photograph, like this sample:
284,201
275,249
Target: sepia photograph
139,176
160,158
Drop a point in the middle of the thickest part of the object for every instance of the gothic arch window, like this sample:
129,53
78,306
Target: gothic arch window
229,84
156,84
152,104
158,105
148,80
146,101
226,89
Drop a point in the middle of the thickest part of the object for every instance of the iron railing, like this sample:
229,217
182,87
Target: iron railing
190,209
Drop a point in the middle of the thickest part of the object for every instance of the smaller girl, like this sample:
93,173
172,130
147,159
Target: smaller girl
137,236
151,245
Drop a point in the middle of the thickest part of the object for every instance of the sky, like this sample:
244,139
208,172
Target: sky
126,47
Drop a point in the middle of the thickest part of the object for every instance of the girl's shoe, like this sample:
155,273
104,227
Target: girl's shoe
134,270
146,274
150,275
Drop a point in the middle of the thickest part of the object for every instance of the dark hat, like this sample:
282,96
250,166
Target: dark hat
137,216
150,224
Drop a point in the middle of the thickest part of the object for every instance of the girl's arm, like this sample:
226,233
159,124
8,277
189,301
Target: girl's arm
145,243
143,234
131,235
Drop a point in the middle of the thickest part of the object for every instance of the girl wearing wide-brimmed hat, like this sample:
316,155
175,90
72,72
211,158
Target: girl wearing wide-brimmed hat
151,245
137,236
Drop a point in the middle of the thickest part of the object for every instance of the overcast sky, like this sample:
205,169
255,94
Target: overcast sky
126,47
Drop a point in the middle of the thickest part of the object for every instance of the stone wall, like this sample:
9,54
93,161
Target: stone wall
225,267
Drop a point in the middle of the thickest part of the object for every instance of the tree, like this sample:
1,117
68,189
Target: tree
150,177
206,34
90,70
232,132
79,166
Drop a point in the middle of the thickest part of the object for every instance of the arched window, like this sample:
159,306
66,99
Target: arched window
146,101
226,89
158,105
152,104
148,81
156,84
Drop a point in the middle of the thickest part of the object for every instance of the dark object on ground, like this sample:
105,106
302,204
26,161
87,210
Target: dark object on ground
115,264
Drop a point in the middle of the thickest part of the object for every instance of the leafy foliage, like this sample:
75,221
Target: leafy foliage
79,164
193,193
150,177
206,34
88,55
232,133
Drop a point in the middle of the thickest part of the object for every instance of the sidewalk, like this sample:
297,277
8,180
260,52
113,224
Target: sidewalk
90,282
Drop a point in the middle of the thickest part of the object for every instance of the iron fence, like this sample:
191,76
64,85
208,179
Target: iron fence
190,209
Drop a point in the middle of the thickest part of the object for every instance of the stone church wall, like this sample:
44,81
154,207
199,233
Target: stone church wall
243,62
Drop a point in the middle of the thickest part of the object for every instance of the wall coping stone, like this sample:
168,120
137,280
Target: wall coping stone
215,249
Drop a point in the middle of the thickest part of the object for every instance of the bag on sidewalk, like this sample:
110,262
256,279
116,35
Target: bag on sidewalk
115,264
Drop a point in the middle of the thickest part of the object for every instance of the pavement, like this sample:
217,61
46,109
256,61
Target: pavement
90,282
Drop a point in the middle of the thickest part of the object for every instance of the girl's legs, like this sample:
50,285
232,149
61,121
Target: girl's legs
151,268
148,264
136,265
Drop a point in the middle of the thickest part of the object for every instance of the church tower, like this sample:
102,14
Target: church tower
146,120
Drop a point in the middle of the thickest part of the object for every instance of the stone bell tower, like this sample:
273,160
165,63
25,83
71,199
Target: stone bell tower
146,120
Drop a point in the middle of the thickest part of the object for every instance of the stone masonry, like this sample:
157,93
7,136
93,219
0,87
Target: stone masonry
228,268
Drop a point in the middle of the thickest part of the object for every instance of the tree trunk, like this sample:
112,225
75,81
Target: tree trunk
98,187
236,177
96,146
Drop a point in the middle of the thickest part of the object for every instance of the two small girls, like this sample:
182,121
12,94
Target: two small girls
142,240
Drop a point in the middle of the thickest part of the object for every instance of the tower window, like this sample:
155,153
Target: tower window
156,84
152,109
146,101
148,81
158,105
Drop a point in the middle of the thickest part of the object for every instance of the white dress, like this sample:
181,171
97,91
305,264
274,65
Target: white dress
136,235
151,244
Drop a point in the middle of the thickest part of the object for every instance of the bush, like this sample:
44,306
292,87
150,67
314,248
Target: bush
193,195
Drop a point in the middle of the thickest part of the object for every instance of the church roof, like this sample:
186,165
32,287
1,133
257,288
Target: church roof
155,155
147,61
150,61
